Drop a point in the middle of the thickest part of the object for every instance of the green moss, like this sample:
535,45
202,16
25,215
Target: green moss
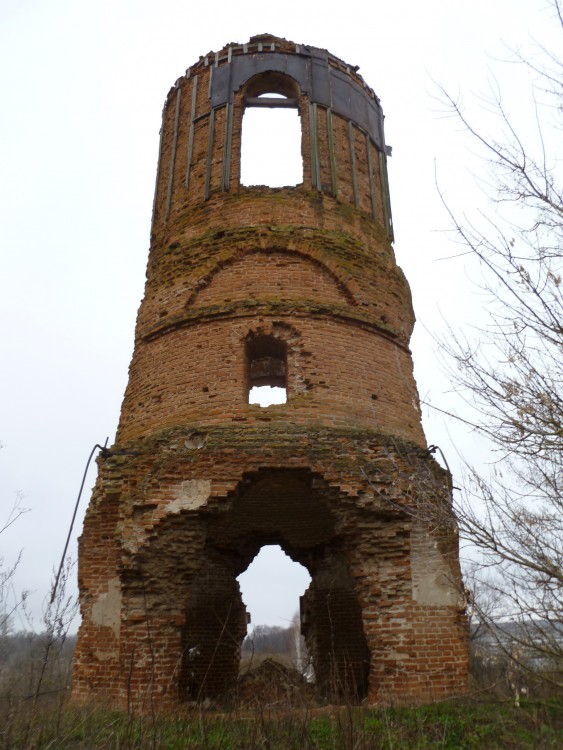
313,440
270,307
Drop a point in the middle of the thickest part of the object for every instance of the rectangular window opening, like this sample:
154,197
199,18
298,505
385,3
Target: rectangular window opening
271,147
267,395
267,370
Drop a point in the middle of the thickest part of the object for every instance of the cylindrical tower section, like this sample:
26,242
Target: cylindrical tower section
310,267
296,288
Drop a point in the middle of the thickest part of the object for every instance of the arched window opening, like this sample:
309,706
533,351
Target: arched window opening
267,370
271,134
271,587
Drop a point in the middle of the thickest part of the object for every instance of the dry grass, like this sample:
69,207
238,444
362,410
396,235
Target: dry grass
453,725
275,708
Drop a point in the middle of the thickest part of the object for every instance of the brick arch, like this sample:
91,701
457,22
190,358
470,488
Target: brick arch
270,273
190,561
271,81
299,509
190,510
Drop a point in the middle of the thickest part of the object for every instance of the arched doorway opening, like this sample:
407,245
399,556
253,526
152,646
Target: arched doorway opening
272,587
289,508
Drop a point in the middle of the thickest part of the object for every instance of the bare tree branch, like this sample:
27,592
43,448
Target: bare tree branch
509,375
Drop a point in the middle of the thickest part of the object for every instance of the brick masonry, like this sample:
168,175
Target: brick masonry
299,285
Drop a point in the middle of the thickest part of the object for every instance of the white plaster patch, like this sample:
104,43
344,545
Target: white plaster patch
432,580
104,655
190,495
106,610
131,536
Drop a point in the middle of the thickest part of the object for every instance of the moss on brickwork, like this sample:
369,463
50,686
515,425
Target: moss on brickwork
286,286
272,308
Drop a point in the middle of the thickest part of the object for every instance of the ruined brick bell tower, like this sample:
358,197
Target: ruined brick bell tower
295,287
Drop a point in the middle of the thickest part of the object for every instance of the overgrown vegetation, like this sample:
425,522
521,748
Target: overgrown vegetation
285,645
274,708
509,369
451,725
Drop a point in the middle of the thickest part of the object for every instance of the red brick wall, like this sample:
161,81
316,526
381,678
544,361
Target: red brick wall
199,480
197,374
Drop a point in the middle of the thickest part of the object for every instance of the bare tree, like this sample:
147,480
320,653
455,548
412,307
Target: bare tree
9,599
512,378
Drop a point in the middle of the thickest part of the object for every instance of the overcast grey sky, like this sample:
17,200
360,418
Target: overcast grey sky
83,84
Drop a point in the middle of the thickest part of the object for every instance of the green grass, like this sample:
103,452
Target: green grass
456,725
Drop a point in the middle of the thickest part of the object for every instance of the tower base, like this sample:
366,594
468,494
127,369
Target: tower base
175,518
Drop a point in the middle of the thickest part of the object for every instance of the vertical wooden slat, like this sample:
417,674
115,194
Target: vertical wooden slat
173,154
315,170
370,174
157,174
333,172
226,173
385,196
209,152
353,162
191,135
